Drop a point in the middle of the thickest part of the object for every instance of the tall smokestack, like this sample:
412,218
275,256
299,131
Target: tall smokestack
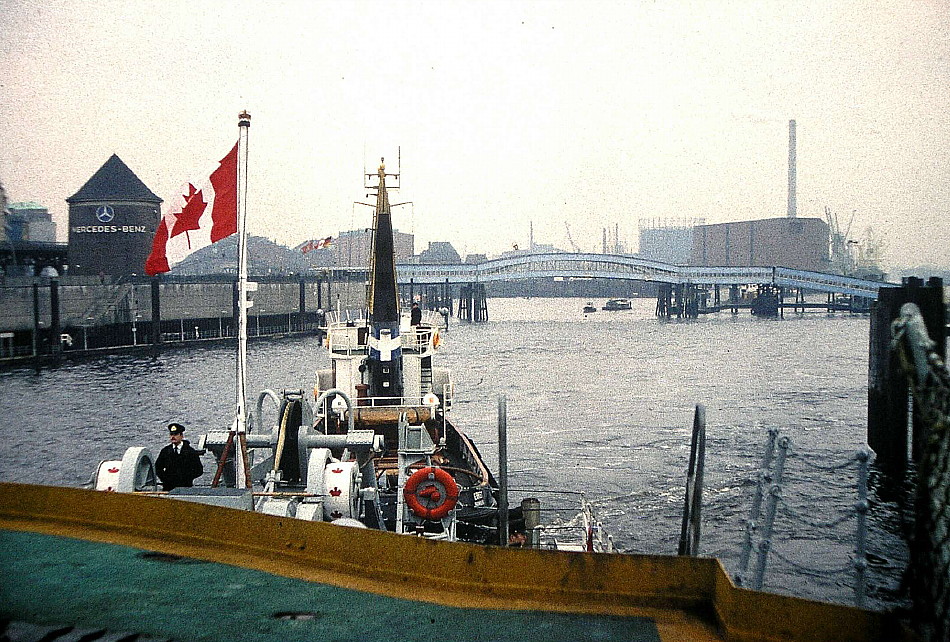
792,205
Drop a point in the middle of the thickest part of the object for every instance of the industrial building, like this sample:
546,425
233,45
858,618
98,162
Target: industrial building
352,249
30,222
112,221
798,243
666,240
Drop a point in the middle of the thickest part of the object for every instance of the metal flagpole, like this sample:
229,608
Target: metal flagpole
242,474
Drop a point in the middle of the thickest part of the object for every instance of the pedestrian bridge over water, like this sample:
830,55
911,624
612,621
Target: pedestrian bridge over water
619,266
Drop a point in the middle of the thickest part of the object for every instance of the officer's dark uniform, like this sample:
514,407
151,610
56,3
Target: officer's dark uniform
181,468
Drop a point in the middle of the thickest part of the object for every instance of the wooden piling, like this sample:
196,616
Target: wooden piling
479,303
56,329
465,303
889,419
156,326
36,319
664,300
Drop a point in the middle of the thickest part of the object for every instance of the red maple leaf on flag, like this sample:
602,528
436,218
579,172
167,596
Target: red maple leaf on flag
190,215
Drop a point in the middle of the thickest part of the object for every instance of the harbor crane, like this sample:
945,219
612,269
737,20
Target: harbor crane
570,240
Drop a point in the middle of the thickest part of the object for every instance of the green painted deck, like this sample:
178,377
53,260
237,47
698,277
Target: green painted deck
57,580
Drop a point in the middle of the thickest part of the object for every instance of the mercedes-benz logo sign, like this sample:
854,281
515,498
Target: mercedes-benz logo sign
105,213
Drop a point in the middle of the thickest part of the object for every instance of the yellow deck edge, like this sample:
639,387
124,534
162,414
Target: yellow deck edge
680,593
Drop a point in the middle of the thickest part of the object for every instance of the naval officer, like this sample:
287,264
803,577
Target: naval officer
178,464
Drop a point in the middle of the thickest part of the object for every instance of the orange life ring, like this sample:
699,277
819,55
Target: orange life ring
431,493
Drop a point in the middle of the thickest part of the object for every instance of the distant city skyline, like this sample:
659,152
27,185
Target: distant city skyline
595,114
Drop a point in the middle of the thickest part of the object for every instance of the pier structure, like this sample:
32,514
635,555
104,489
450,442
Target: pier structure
51,319
473,303
429,296
683,291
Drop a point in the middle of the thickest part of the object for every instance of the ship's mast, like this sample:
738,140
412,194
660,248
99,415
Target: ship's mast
385,353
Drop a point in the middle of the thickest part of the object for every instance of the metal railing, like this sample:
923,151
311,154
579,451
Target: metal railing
768,504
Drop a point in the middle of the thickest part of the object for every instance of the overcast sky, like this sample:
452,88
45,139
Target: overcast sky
586,113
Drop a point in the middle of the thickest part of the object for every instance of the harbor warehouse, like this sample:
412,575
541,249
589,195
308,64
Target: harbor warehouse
112,220
797,243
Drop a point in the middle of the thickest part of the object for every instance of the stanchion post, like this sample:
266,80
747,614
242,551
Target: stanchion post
502,470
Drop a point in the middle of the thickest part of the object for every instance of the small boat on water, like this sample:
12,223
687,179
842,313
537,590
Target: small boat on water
617,304
590,307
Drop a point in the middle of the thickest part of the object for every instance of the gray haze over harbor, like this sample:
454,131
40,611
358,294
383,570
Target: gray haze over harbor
598,114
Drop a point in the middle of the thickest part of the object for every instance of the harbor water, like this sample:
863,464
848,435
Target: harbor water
600,404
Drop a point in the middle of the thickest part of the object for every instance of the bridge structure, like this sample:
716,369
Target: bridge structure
679,285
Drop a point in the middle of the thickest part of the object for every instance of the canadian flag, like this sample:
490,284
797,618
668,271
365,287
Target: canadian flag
197,217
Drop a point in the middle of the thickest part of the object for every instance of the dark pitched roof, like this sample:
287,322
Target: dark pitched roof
114,182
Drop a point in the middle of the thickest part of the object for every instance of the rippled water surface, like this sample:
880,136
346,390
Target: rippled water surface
601,404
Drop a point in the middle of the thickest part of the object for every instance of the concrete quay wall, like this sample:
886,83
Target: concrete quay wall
88,302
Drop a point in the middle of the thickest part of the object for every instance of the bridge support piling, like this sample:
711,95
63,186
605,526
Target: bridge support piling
766,301
734,298
888,416
36,319
156,325
56,329
481,303
691,301
473,303
465,303
664,300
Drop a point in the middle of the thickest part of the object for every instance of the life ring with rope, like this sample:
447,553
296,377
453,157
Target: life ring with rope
431,493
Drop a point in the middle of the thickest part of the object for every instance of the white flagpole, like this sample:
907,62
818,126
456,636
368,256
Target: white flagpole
242,474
